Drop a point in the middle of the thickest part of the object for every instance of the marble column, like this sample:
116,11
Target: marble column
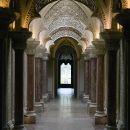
123,19
112,39
86,79
100,116
6,17
45,77
30,116
19,39
89,74
91,52
38,104
92,105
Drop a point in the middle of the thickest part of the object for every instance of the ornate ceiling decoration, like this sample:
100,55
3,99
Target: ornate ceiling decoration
65,8
66,22
66,33
65,19
42,3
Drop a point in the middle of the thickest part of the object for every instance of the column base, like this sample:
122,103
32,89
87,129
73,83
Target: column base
30,118
38,107
10,125
111,128
85,98
121,125
46,98
92,108
19,127
88,103
100,118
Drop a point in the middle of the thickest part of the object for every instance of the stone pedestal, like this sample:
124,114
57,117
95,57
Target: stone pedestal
100,117
19,44
6,17
123,19
112,40
30,116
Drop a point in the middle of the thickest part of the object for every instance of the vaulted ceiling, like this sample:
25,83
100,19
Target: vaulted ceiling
42,3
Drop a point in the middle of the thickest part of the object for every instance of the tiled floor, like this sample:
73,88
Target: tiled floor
64,113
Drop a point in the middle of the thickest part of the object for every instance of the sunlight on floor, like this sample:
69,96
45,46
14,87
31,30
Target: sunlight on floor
65,92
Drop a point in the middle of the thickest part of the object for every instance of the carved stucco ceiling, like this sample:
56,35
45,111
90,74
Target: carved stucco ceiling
42,3
64,8
65,18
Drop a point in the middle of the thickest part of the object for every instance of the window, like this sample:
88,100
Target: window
65,73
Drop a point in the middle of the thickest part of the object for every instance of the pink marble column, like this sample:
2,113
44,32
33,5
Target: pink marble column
86,79
39,105
100,117
93,80
92,75
112,39
45,77
30,117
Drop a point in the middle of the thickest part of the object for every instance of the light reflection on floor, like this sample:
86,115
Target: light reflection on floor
66,92
65,113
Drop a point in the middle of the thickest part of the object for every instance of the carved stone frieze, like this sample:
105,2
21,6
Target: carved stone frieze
66,33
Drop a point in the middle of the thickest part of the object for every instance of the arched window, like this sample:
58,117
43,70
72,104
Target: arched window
65,73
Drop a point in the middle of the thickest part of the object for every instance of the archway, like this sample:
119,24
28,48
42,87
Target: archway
66,57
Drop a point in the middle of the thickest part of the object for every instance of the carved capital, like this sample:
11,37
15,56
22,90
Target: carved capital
112,39
38,52
19,38
31,46
45,56
91,52
100,46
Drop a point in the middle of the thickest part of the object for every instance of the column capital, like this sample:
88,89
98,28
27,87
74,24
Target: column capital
19,38
123,18
45,56
111,38
6,17
91,52
99,45
31,46
38,52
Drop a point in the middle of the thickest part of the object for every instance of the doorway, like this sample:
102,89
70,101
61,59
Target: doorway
65,69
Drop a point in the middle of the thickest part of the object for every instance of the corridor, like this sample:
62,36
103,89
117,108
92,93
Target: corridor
64,113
